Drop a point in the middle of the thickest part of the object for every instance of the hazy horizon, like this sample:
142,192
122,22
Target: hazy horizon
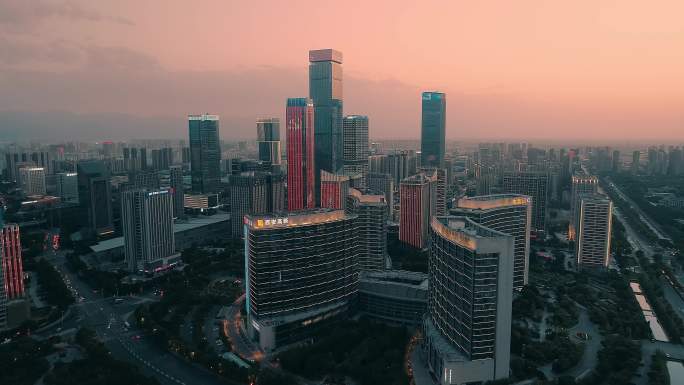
584,71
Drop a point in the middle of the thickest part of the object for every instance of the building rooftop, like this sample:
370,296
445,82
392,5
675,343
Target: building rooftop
484,202
318,55
294,219
203,117
178,227
463,231
366,198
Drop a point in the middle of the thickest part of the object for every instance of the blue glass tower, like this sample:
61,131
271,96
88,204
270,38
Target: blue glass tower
205,153
432,133
325,89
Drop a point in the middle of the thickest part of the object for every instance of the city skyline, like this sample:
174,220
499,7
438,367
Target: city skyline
57,83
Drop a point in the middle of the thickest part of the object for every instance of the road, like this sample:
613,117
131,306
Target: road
108,322
242,346
591,346
642,215
634,238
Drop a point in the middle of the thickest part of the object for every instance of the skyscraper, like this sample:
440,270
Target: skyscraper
67,186
636,157
301,273
32,180
439,174
380,183
432,133
12,264
510,214
325,89
147,223
594,228
178,191
534,184
581,184
268,140
467,333
417,204
255,193
205,153
355,129
334,190
301,180
371,226
95,196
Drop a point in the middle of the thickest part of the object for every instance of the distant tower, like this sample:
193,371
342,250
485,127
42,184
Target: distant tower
325,89
268,140
371,212
581,184
467,331
432,134
535,185
147,223
205,153
356,146
67,186
300,154
334,190
32,180
178,191
95,196
594,228
255,193
636,157
380,183
417,204
510,214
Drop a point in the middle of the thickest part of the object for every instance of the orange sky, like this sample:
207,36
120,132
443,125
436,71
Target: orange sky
540,69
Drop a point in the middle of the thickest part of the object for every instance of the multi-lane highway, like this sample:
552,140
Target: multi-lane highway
108,320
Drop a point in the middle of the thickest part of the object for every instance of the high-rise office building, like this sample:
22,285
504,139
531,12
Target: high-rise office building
148,179
325,89
334,190
205,153
510,214
401,165
534,184
416,204
255,193
439,174
371,225
162,158
467,332
636,158
355,128
147,223
32,180
67,186
594,228
301,180
617,163
301,273
178,191
432,132
12,264
380,183
581,184
268,140
95,196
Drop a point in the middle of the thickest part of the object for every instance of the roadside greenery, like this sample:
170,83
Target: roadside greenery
658,374
98,368
370,352
52,287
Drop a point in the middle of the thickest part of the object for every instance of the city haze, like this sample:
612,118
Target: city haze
122,70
